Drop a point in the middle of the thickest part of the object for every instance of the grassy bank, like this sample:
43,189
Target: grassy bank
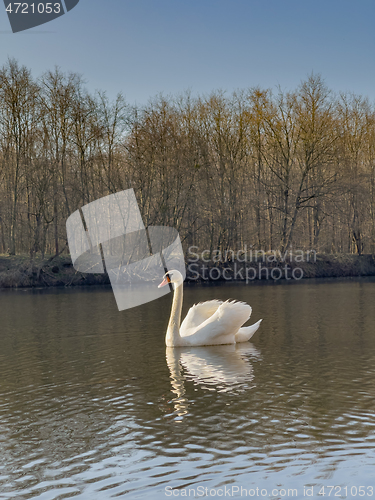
19,272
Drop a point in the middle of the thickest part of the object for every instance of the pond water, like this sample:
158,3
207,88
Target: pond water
93,405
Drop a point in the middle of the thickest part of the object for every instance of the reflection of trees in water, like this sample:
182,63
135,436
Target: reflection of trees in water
67,382
320,387
99,382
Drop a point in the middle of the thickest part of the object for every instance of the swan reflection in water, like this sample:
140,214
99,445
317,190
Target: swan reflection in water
224,368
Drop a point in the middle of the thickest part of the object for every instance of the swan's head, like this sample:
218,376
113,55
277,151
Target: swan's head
174,277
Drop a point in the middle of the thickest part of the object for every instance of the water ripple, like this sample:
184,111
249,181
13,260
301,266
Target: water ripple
92,405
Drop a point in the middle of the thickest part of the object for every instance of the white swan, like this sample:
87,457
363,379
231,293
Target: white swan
209,323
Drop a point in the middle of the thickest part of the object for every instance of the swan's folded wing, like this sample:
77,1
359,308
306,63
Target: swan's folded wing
244,334
226,321
198,314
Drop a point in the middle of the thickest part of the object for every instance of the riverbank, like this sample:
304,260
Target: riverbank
19,272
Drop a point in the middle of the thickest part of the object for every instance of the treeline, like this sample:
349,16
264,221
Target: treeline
269,169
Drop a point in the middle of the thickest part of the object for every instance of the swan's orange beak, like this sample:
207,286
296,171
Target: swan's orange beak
165,281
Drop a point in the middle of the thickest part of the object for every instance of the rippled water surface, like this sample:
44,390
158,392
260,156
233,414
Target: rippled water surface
93,406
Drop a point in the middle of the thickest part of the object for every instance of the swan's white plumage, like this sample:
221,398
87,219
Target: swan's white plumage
209,323
199,313
246,332
228,317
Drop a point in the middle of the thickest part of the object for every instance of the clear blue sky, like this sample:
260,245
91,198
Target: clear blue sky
142,47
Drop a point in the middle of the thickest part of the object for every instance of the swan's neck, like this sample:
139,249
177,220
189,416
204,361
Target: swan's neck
173,337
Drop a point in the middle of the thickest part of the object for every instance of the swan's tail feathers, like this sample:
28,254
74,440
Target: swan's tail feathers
246,332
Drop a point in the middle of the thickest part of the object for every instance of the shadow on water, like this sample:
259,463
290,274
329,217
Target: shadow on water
92,404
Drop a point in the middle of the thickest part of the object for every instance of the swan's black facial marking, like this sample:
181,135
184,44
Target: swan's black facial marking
166,281
167,277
